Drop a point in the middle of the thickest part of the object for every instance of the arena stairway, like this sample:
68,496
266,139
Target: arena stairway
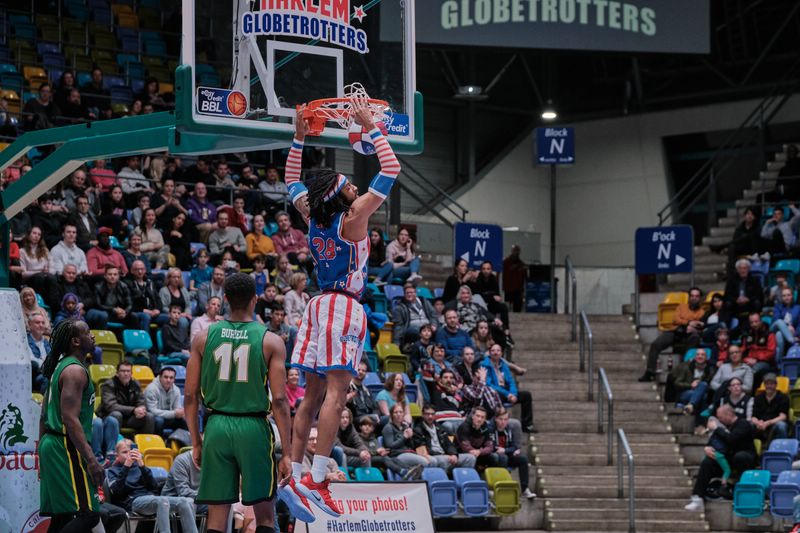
569,455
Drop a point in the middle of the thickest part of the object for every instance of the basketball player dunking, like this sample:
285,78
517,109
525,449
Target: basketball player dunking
331,337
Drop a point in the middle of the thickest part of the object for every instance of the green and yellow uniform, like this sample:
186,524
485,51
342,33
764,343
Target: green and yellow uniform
66,486
238,438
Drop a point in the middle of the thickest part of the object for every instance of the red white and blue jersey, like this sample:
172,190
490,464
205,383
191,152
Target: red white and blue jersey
341,264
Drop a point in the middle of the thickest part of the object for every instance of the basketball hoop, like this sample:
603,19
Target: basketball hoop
318,112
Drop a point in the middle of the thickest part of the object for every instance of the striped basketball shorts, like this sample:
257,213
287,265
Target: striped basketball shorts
331,335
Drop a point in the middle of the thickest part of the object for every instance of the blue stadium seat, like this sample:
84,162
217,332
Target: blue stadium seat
130,44
7,67
444,497
392,292
137,85
748,495
84,78
783,492
410,389
180,375
368,474
110,81
424,292
51,61
121,94
790,368
373,383
437,292
779,457
136,339
473,490
47,48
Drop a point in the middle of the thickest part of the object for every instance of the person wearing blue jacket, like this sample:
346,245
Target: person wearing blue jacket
500,378
452,336
785,319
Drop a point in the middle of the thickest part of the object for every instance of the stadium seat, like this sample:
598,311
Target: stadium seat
473,490
396,364
373,383
415,410
788,267
667,307
424,292
37,397
443,493
385,349
146,441
782,493
783,385
136,339
506,490
12,98
180,375
779,456
363,473
144,375
410,388
790,369
346,473
100,373
158,457
748,495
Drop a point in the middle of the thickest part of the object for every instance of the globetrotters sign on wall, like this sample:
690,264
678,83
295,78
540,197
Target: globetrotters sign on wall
671,26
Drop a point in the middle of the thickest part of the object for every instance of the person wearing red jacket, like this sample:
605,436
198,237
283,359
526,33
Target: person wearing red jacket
103,254
759,345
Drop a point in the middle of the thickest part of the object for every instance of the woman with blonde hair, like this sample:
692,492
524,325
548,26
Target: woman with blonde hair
30,305
174,293
295,301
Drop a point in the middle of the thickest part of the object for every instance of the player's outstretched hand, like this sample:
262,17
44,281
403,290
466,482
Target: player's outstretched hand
197,455
361,112
301,126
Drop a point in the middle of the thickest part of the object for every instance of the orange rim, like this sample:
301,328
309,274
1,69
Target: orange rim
317,114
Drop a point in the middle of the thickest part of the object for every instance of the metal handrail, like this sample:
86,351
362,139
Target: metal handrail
571,308
586,333
603,386
696,186
405,164
622,442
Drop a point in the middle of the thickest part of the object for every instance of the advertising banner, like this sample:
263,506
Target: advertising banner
670,26
377,507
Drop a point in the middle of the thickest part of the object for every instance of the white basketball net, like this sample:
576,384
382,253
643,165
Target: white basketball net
339,112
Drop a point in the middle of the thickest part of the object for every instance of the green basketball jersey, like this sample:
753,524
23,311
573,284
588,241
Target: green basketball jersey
52,410
233,376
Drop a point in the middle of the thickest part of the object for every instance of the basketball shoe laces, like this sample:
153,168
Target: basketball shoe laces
319,495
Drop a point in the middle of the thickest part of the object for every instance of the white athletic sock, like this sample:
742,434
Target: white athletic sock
319,467
297,471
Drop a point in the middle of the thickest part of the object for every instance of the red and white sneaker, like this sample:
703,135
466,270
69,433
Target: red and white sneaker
296,502
795,529
319,495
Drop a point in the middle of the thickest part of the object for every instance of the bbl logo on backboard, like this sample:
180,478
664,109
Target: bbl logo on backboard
221,102
12,430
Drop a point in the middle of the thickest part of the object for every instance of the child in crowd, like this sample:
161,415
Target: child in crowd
174,337
260,275
228,263
202,272
379,456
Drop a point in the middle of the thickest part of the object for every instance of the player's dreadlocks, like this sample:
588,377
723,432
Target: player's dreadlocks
322,211
59,345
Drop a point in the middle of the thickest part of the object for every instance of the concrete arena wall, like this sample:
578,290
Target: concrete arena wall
618,183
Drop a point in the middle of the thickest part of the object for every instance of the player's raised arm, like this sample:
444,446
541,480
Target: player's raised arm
294,164
382,183
191,395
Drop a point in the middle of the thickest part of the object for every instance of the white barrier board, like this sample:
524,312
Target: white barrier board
377,507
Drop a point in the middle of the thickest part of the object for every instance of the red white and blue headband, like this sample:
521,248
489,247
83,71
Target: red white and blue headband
336,188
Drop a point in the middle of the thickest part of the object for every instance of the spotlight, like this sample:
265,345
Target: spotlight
470,92
549,112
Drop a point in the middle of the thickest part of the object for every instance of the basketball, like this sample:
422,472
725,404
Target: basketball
237,103
360,139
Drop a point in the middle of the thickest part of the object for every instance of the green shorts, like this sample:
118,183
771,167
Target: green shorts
66,486
235,446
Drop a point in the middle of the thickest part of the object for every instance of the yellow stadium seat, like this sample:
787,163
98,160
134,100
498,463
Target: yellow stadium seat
158,457
3,146
783,385
34,76
143,375
415,411
99,374
119,9
385,335
105,337
166,88
506,490
393,364
12,98
385,349
37,397
146,441
709,296
128,20
667,307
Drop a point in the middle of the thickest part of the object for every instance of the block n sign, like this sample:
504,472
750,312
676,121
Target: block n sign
477,243
664,250
555,146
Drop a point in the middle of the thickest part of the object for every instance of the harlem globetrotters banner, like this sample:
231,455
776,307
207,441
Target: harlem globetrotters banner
19,425
377,507
671,26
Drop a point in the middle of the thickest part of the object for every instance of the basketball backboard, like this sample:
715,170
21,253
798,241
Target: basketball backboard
269,56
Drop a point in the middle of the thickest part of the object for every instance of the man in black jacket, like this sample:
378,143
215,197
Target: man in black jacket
359,399
145,303
508,450
737,434
114,299
409,315
743,294
441,451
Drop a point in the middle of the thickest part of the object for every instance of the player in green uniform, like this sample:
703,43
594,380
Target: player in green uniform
229,367
70,473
